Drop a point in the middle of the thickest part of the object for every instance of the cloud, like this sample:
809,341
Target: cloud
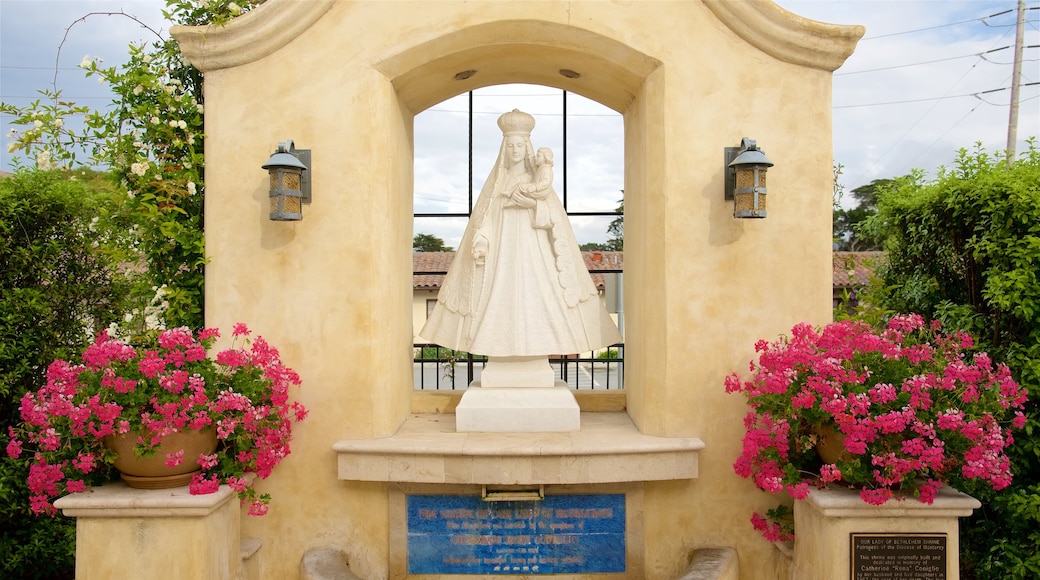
888,118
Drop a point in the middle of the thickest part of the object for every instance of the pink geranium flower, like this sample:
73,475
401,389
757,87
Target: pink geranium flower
166,384
912,407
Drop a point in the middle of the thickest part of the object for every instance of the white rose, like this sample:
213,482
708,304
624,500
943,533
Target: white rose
172,123
37,123
155,120
138,89
191,188
57,122
139,169
234,8
182,124
85,63
43,160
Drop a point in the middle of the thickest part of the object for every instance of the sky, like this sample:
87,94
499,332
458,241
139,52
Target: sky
930,77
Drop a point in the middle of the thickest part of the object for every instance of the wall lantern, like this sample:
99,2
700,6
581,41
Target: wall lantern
746,168
290,181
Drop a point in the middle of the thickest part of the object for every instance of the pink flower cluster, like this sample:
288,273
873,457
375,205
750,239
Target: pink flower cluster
912,407
169,386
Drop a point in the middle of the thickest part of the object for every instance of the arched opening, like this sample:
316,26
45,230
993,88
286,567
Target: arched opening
575,60
455,144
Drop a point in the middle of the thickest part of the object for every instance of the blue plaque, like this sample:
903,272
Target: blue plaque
561,534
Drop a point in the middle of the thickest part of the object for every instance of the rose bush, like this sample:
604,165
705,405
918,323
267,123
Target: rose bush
912,409
164,386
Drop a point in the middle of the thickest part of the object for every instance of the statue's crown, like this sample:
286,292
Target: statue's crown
516,122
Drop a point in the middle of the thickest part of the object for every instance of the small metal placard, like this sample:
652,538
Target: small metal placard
561,534
898,557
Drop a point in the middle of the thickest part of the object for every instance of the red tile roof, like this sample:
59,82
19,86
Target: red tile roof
850,268
429,267
854,268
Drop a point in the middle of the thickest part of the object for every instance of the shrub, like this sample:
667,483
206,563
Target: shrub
57,277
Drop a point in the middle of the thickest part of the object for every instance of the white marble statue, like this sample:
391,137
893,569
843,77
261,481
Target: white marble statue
518,286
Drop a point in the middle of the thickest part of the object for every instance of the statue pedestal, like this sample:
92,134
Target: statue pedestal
518,409
132,533
517,371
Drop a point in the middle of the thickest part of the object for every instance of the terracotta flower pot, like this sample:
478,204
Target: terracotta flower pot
151,471
830,445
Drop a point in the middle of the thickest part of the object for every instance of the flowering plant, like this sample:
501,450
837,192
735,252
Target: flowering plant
910,408
167,386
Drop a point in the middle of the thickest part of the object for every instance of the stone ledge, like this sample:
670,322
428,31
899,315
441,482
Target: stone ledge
117,500
608,449
838,503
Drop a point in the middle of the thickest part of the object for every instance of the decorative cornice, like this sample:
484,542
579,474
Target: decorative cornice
250,36
787,36
773,30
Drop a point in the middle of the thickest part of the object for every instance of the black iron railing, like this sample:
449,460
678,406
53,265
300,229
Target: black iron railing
435,368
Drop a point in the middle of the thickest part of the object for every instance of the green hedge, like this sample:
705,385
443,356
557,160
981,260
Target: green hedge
59,279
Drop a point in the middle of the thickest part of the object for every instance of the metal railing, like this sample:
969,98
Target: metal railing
435,368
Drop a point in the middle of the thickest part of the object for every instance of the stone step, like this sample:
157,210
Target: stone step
713,564
249,569
325,564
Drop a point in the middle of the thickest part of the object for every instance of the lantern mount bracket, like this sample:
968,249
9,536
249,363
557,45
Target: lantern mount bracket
731,153
304,155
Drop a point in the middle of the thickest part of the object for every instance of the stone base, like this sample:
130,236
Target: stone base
827,518
518,409
517,371
163,533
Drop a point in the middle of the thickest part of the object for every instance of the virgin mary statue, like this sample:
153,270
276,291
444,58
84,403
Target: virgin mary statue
518,286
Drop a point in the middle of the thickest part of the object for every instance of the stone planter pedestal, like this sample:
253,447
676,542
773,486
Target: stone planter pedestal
891,539
137,533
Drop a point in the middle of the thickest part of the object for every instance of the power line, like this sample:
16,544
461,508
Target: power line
922,117
975,94
63,97
982,20
46,68
438,110
977,54
920,153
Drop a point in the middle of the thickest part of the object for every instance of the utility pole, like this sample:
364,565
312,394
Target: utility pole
1016,80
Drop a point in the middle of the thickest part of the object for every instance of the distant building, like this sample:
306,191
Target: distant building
429,268
851,272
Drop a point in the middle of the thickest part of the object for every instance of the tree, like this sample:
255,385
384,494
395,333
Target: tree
616,229
594,247
429,243
59,279
848,223
965,249
151,138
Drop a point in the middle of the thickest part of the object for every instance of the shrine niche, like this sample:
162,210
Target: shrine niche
344,80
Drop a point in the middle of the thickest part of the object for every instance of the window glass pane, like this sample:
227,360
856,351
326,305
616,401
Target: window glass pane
442,158
595,155
588,176
448,229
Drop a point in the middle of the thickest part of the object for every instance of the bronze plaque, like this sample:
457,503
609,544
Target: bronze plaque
898,557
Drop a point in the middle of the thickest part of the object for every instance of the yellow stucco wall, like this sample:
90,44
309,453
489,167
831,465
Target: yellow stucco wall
333,292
